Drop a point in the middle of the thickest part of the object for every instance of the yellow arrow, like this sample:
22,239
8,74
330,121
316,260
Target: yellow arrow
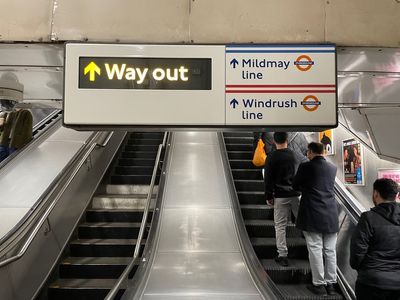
92,68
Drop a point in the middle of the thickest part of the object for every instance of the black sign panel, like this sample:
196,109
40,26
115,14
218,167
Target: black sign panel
145,73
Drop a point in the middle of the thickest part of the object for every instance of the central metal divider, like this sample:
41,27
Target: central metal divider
197,252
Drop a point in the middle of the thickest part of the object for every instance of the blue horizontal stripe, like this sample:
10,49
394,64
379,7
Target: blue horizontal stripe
280,46
280,51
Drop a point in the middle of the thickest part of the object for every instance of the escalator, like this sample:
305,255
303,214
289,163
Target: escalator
104,241
291,281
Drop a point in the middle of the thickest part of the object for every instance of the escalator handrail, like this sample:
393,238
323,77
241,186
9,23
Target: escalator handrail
46,214
353,208
113,292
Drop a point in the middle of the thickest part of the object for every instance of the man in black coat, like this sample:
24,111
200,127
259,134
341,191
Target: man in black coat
318,217
375,245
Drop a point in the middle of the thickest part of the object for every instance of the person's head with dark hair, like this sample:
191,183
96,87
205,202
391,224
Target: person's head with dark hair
315,149
385,190
280,138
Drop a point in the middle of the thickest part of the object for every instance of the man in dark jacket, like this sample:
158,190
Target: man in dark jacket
375,245
318,217
280,169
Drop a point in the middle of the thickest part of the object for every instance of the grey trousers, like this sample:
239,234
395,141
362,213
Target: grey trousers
320,246
282,213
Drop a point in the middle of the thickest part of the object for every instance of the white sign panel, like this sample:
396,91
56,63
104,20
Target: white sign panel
150,85
214,86
281,85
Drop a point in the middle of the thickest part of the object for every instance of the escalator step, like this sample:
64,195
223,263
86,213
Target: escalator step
257,212
266,228
132,179
249,185
247,198
239,134
146,135
239,147
300,292
240,155
298,271
137,162
108,230
67,289
241,164
128,189
139,154
151,148
134,170
122,202
265,248
115,215
104,247
94,267
239,140
135,141
249,174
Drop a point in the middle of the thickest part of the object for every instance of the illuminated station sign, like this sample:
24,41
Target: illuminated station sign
200,86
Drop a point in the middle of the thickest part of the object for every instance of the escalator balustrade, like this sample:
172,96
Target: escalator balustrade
105,240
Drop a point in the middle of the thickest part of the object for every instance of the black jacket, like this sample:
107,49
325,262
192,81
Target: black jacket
318,208
280,169
375,247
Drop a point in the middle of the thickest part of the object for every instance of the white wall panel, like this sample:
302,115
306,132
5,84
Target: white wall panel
363,22
23,20
125,20
263,21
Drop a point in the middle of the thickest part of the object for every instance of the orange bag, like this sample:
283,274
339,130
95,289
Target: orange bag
259,156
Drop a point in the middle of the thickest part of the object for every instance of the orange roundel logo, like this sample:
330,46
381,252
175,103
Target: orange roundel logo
304,63
310,103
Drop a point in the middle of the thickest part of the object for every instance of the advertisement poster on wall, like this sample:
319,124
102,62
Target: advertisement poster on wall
353,165
393,174
326,138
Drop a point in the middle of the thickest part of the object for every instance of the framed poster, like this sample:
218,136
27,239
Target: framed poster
353,165
393,174
326,138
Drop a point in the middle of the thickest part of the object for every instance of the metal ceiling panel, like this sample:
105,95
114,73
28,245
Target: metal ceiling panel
384,125
261,21
369,89
358,124
149,21
39,83
23,20
362,59
45,55
363,22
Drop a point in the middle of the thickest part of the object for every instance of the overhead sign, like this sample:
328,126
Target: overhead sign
145,73
215,86
288,85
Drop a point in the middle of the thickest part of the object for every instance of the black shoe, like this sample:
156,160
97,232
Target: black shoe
330,289
317,289
282,260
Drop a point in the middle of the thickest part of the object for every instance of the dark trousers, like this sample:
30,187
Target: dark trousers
367,292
